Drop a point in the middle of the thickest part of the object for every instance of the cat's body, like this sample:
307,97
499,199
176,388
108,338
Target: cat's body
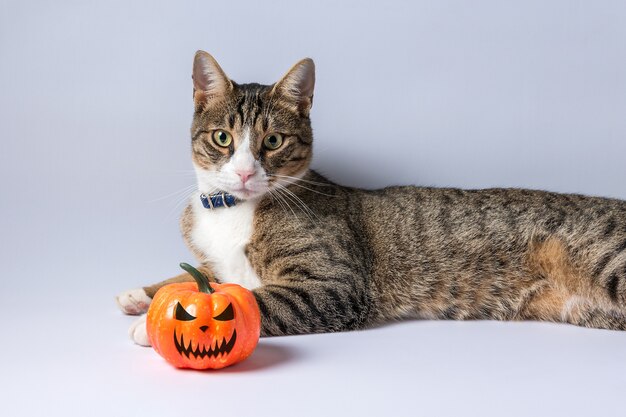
322,257
223,248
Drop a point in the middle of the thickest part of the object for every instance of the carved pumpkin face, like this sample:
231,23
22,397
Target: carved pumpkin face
214,328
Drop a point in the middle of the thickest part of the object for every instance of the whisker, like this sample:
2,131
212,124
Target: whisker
185,199
301,179
182,200
298,201
275,198
183,190
312,190
278,193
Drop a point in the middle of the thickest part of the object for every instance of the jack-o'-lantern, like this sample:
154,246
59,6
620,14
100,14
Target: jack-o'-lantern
203,325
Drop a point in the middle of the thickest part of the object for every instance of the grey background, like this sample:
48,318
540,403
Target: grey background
95,107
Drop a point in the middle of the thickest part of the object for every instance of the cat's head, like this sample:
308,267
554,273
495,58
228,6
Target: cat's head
249,138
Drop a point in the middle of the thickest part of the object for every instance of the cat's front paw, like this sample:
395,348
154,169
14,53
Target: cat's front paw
138,332
134,301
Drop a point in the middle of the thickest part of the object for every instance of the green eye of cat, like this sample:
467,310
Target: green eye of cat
222,138
273,141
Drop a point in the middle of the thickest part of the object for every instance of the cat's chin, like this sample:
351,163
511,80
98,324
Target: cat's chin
246,194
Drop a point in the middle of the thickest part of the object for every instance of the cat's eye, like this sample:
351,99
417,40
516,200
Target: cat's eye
227,314
222,138
182,314
273,141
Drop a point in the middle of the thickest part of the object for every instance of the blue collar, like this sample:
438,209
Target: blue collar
215,200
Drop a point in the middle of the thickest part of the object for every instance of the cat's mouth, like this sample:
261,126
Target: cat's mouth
245,192
201,351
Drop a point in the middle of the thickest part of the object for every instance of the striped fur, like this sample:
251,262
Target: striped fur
334,258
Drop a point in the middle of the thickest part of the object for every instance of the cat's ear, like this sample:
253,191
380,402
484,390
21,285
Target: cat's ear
209,80
297,85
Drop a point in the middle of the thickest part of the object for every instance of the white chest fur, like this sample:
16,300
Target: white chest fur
222,235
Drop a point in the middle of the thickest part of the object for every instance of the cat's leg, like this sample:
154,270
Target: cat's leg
556,304
312,306
568,293
134,301
297,308
137,300
609,274
138,332
582,313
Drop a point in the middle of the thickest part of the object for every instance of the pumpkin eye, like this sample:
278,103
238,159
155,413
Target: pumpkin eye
222,138
227,314
273,141
182,314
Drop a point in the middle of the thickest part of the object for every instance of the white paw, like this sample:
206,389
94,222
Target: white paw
133,301
138,332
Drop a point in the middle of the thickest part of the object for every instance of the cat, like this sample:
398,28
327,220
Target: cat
320,257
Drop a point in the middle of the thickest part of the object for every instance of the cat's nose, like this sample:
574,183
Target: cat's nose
245,175
204,328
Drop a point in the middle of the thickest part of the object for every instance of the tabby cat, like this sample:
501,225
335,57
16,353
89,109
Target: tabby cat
321,257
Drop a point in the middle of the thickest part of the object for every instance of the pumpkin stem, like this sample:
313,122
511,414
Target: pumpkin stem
201,279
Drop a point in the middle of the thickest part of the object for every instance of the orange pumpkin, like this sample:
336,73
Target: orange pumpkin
203,325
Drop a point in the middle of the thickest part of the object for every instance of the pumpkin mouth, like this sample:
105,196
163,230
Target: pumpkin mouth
200,352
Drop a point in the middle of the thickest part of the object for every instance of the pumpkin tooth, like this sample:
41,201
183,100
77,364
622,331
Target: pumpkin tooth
231,342
179,345
176,342
183,349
